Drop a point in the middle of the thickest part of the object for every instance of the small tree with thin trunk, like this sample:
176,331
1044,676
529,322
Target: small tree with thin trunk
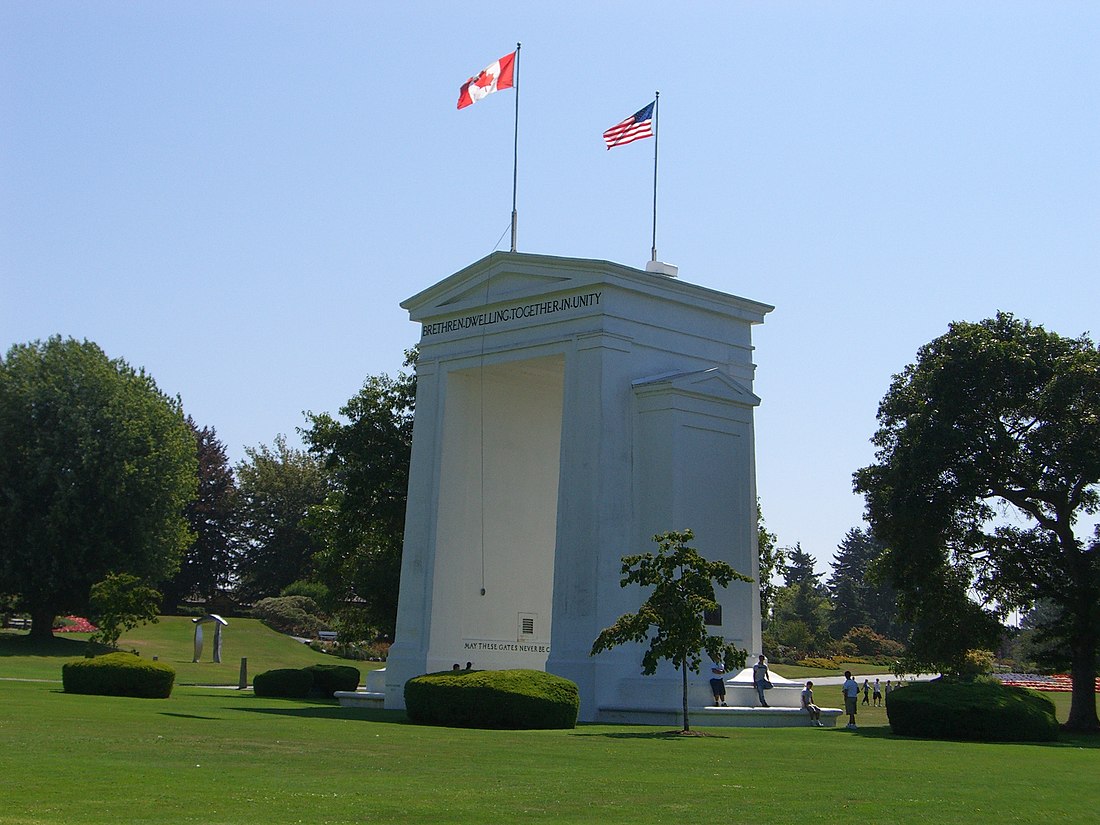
672,619
120,603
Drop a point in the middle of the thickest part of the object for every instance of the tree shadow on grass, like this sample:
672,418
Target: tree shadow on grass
23,645
393,717
1065,740
191,716
649,734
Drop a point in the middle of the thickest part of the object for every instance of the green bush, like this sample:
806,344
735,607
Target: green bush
315,591
330,678
507,699
863,641
976,663
296,615
981,711
287,682
118,674
819,661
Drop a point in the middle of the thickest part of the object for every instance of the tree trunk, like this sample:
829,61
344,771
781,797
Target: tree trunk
684,668
1082,709
42,623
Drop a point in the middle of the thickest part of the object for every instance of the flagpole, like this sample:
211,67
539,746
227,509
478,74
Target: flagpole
656,128
515,149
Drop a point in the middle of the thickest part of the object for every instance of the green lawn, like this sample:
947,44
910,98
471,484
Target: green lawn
216,755
171,640
858,669
221,756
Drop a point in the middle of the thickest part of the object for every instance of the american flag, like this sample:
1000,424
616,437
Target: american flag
639,125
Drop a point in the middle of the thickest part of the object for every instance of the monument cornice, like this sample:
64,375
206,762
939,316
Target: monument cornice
503,278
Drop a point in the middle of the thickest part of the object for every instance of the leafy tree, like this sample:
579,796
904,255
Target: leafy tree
120,603
800,615
988,453
96,467
277,487
859,595
672,617
207,564
771,561
361,524
1041,641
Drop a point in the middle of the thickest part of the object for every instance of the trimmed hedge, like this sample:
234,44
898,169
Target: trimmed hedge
501,699
287,682
981,711
118,674
327,679
299,683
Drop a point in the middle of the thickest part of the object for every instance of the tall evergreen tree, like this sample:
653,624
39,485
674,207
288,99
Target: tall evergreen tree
860,595
207,564
801,610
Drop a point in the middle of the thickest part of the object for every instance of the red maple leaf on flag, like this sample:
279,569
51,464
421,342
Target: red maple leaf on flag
494,77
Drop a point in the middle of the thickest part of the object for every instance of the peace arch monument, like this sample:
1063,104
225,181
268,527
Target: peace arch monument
566,411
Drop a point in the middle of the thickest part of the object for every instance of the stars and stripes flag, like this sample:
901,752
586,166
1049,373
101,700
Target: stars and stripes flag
639,125
494,77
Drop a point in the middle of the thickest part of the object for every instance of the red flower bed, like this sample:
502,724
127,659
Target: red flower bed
1058,683
76,624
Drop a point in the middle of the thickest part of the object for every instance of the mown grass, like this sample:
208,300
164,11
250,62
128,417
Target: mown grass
171,640
223,756
859,669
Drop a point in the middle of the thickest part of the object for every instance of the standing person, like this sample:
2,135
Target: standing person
760,679
718,684
877,693
866,692
851,696
809,706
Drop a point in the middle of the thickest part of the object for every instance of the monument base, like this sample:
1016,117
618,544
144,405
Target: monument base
360,699
717,717
371,695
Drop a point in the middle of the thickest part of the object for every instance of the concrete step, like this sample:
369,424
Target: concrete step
728,717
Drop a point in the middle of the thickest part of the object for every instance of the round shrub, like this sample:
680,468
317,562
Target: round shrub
296,615
118,674
328,679
511,699
287,682
982,711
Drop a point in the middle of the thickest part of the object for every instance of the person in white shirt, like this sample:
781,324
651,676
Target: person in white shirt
809,706
718,684
851,695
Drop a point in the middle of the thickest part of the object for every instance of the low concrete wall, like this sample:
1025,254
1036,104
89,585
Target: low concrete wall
730,717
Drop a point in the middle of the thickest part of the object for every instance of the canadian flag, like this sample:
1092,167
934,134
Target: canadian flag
494,77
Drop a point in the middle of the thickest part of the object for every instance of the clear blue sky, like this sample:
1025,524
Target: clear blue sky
237,195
